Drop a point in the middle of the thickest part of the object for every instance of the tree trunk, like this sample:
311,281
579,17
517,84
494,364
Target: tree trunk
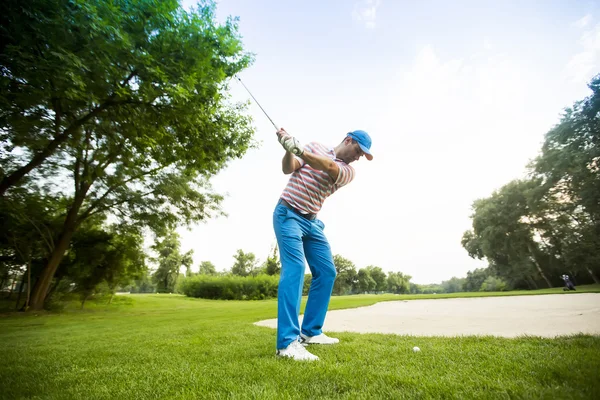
594,277
537,265
4,278
20,292
111,297
531,283
28,285
85,297
542,274
53,288
40,290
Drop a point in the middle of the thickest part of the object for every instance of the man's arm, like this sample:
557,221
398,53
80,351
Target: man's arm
289,163
321,163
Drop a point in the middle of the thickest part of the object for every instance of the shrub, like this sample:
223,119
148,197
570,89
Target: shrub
230,287
306,286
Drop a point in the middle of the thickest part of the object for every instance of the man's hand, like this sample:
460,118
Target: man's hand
289,143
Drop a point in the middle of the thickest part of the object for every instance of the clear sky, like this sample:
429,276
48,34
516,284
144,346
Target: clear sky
457,97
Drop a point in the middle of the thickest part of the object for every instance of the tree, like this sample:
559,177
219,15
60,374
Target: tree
346,275
272,264
475,279
415,289
502,233
207,268
29,223
142,284
187,260
569,167
169,260
570,158
453,285
66,63
398,282
534,230
128,99
245,264
364,282
127,261
493,284
113,256
306,284
379,277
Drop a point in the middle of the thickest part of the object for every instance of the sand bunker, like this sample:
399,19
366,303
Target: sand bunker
544,315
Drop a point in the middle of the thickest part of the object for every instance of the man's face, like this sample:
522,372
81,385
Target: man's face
351,151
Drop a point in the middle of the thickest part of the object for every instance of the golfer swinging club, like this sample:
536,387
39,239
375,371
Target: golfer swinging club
317,171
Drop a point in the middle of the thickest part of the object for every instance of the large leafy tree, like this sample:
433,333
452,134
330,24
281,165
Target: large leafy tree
570,159
503,234
126,99
169,261
272,264
142,284
566,232
364,282
245,263
569,167
66,63
549,224
379,277
398,282
112,256
475,279
29,222
187,259
346,278
453,285
207,268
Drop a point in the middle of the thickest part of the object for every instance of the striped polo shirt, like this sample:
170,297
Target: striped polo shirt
308,188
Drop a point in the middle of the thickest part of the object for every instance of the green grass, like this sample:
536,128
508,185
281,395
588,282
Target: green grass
172,347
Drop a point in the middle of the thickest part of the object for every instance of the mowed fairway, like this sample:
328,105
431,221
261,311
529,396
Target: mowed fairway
169,346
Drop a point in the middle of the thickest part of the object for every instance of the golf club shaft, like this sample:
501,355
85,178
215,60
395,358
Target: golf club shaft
263,110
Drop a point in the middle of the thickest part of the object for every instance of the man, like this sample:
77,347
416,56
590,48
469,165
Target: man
568,284
317,172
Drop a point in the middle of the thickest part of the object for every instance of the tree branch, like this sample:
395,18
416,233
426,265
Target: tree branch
98,201
60,138
89,213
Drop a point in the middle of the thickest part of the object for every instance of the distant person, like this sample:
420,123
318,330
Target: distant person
568,284
317,171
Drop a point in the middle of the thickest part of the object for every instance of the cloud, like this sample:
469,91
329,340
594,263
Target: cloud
586,63
487,85
583,22
365,11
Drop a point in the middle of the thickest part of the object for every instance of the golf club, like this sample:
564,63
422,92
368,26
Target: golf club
263,110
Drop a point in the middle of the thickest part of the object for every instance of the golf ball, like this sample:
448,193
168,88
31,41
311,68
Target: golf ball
415,349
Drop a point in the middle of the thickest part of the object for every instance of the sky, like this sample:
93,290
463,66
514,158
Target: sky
456,97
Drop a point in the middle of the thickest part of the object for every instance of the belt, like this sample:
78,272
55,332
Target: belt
309,217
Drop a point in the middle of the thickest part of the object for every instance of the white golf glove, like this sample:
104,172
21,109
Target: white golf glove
291,144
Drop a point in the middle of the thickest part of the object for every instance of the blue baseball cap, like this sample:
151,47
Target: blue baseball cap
364,142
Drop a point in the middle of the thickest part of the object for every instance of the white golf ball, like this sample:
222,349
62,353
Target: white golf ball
415,349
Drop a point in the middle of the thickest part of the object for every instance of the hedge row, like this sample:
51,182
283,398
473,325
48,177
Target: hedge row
230,287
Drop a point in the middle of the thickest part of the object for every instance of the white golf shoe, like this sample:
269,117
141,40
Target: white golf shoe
297,352
319,339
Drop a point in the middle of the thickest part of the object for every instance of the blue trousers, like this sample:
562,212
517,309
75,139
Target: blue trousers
299,239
